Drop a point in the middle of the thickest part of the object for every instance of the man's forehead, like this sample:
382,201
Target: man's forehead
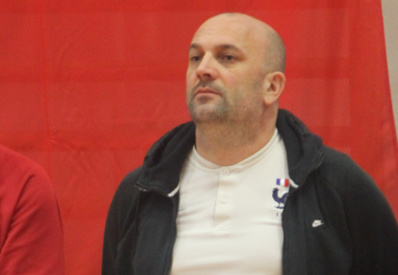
232,18
218,36
227,25
227,33
221,46
228,28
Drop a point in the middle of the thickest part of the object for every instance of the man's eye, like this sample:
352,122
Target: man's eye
227,58
195,58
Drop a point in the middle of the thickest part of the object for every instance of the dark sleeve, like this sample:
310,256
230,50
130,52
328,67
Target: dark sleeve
371,222
119,221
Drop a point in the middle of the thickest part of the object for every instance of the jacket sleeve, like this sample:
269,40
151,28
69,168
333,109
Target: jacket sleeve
34,240
371,221
119,223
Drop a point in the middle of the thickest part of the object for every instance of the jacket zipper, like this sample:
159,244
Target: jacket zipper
172,239
285,270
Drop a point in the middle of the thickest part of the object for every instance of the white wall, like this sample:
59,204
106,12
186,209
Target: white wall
390,12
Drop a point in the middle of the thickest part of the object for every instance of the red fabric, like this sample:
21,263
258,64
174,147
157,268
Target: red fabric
87,86
31,240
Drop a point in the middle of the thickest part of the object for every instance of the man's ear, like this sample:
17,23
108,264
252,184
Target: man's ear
273,85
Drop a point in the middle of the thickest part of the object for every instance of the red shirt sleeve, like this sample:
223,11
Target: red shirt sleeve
31,237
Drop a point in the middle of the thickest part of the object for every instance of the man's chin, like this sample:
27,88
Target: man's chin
206,114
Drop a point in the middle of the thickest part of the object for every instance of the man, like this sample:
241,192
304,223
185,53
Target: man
245,188
31,238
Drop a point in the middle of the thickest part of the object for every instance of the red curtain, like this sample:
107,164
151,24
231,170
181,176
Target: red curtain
87,86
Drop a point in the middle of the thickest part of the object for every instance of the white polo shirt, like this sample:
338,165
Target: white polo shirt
229,217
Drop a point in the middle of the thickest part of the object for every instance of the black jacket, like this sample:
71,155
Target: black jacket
358,234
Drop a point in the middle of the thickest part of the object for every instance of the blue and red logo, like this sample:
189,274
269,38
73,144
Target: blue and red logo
280,193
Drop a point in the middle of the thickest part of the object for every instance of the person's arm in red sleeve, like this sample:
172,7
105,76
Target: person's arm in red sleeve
31,237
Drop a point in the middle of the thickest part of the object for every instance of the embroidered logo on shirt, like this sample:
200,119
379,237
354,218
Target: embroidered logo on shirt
280,193
317,223
282,182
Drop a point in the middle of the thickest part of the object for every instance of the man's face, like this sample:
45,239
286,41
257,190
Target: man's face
226,71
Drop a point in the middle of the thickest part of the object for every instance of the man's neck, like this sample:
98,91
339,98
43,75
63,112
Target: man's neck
227,145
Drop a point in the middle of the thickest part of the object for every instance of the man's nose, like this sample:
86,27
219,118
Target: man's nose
207,69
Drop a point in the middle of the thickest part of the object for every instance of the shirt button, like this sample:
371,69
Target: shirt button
225,171
223,199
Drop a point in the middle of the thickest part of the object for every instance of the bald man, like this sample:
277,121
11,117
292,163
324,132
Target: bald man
245,188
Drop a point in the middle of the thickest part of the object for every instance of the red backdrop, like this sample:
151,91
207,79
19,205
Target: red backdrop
86,88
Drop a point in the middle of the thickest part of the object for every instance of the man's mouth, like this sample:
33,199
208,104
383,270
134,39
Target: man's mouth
206,90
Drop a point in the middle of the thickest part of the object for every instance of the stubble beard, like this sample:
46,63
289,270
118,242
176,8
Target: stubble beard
203,111
224,119
221,122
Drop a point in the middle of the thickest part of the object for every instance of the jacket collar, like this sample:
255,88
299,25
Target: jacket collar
165,159
303,148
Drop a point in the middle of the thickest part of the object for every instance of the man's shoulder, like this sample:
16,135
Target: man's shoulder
336,157
173,143
340,170
127,187
338,160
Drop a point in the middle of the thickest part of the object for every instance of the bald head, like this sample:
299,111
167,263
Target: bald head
255,31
